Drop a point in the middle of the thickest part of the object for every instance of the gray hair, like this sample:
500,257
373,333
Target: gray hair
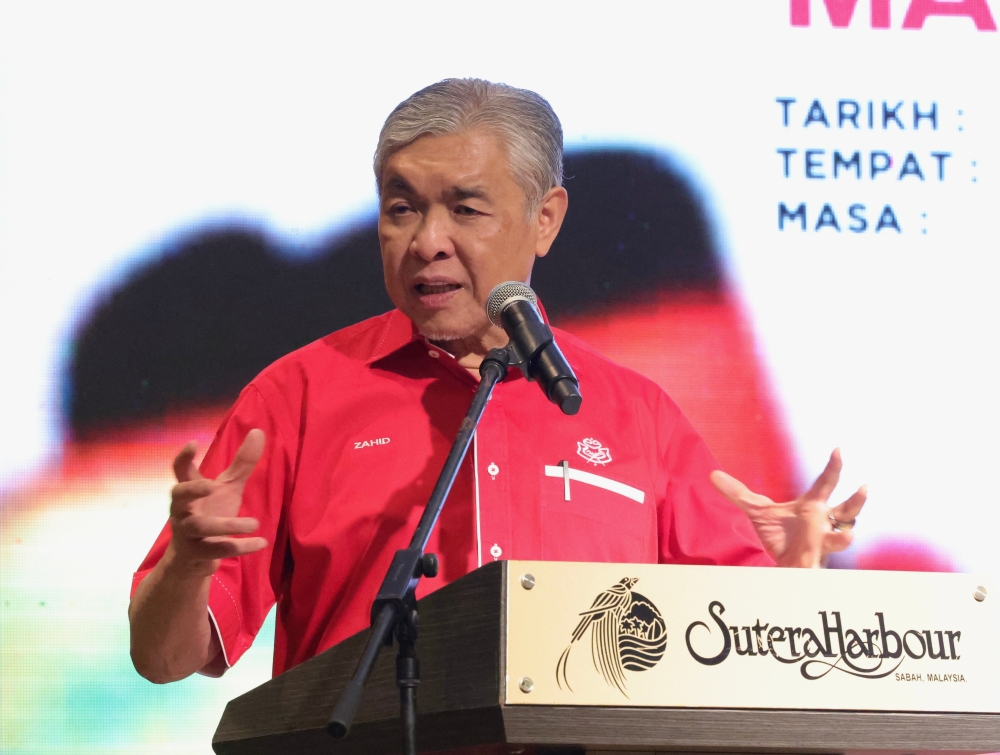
524,121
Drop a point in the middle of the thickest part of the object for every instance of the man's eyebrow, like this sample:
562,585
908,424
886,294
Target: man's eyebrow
398,184
469,192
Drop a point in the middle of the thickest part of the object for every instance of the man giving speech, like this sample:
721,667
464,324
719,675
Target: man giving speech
321,470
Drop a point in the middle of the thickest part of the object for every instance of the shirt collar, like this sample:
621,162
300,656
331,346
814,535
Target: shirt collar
399,331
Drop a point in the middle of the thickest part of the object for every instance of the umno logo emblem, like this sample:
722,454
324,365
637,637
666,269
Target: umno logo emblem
592,450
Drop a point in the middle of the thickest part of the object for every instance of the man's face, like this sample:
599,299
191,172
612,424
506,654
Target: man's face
452,225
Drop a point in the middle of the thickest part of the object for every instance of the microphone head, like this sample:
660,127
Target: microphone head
504,294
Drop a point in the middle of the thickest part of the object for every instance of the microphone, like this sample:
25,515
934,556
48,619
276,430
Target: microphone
512,306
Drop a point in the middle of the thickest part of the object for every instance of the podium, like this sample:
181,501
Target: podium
814,661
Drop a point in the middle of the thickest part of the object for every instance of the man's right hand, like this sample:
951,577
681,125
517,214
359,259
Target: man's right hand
203,512
171,636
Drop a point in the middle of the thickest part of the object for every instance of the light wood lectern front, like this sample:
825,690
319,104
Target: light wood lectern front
529,656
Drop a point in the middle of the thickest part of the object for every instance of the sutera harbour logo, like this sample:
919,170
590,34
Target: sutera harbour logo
869,653
627,633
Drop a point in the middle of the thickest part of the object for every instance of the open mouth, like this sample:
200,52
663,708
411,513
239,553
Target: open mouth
432,289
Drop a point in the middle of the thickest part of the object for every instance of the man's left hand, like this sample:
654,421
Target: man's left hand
802,532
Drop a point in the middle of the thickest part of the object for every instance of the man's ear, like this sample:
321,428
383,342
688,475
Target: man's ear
549,218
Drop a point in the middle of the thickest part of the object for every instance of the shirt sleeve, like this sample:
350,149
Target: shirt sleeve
697,525
244,588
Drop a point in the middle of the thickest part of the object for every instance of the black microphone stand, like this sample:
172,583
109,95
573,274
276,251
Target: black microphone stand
395,608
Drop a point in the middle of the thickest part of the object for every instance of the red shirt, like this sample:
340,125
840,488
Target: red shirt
358,425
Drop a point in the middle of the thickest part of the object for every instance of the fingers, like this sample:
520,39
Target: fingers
241,546
231,547
827,479
848,511
211,549
184,493
207,538
836,541
208,531
200,526
184,467
192,485
246,458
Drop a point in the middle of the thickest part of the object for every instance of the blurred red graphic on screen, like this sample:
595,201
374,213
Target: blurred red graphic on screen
899,554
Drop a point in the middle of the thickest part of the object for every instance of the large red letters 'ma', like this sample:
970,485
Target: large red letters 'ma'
842,11
977,10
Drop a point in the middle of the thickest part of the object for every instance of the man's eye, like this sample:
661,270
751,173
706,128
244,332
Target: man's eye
399,209
464,209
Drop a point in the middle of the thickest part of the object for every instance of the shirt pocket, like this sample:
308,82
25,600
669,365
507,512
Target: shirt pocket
605,519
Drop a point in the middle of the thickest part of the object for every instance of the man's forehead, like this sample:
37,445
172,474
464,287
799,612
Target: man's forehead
468,164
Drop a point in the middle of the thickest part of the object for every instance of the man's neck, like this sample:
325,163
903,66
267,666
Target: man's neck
469,352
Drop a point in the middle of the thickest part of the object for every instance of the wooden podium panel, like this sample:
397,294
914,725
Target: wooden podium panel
458,700
464,687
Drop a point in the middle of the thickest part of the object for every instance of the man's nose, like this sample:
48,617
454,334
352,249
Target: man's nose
433,237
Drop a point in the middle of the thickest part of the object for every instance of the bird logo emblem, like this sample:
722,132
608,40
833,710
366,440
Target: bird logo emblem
627,633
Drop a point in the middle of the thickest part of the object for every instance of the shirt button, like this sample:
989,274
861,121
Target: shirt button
493,470
496,551
432,353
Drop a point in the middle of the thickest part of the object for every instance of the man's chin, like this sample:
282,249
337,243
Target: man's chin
444,335
443,329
